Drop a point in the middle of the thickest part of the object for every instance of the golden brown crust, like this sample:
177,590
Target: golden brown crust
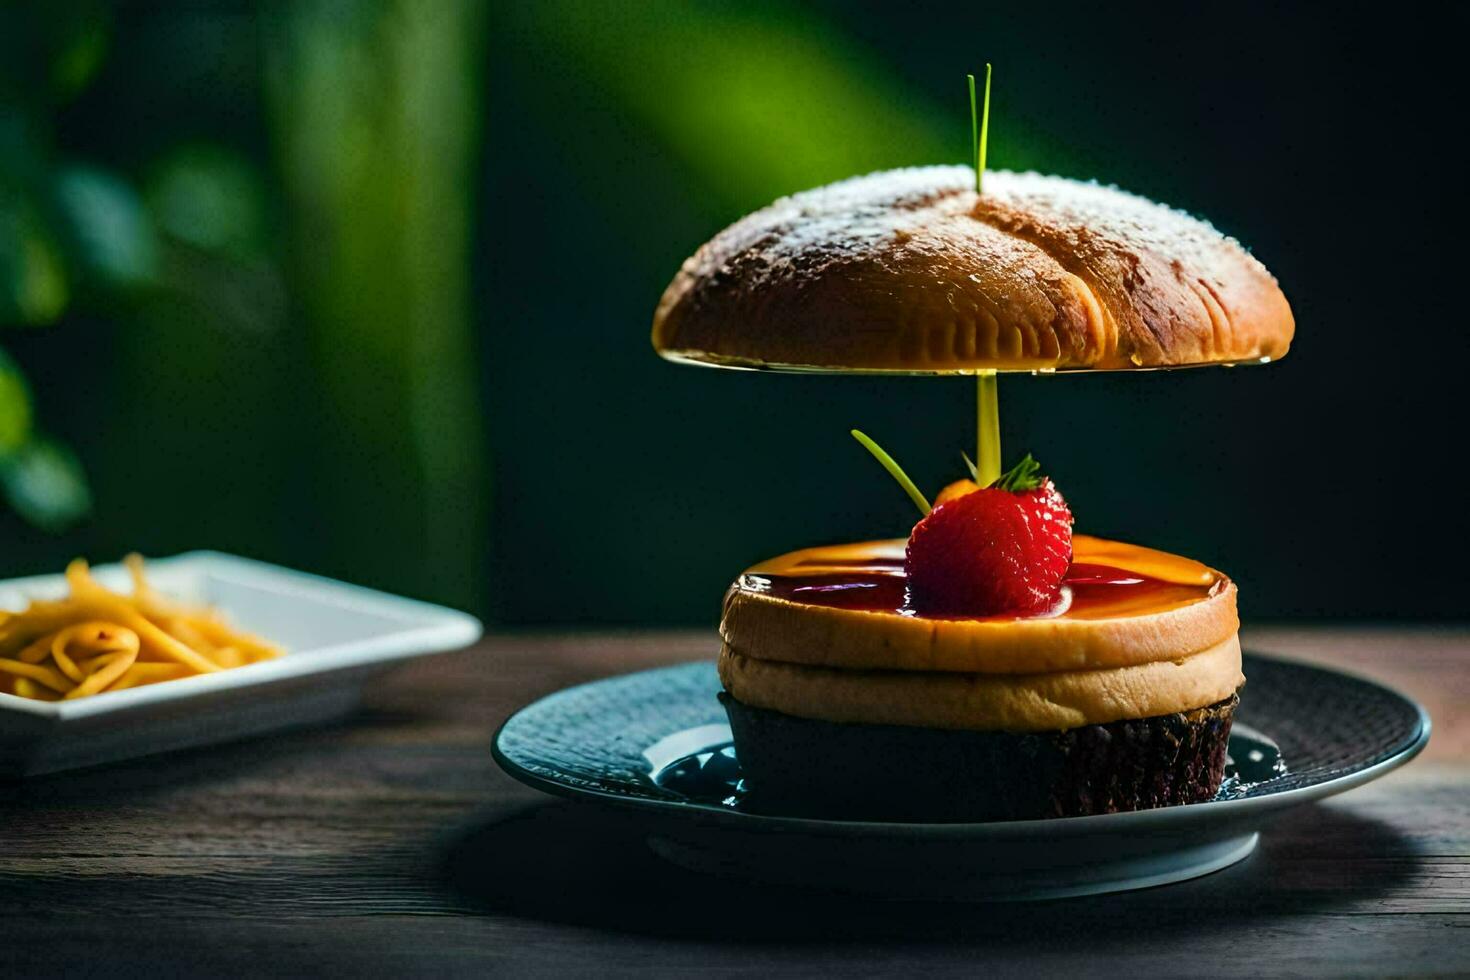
908,271
767,627
986,702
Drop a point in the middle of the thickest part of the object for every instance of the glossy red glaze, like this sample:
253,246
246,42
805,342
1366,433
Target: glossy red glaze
1089,591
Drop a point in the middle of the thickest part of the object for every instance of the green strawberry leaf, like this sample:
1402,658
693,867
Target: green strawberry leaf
1025,475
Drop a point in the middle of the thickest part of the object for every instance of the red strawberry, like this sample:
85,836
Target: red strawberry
1003,549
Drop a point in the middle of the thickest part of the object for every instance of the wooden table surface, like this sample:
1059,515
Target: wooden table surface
391,845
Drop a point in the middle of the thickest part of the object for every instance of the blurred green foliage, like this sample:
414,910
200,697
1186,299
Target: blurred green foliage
246,231
376,111
85,237
65,230
211,199
751,100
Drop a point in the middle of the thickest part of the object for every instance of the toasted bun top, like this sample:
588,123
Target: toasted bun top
908,271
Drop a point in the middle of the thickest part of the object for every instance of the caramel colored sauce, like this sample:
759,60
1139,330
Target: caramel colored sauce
1107,580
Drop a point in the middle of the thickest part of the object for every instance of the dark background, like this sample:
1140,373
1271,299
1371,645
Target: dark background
399,333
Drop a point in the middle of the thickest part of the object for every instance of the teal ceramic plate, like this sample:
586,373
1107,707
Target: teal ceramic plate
658,741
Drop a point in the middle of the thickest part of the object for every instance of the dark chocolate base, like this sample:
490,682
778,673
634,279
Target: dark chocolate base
889,772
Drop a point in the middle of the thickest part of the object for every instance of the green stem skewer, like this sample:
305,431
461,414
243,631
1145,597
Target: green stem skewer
895,471
974,133
987,429
987,407
979,128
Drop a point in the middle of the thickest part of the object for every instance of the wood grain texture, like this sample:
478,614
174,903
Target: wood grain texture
392,846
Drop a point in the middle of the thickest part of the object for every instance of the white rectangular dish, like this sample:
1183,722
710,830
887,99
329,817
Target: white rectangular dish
336,636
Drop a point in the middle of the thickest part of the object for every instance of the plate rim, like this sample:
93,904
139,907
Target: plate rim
1212,812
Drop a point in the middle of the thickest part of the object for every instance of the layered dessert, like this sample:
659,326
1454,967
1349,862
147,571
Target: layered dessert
1117,694
992,665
